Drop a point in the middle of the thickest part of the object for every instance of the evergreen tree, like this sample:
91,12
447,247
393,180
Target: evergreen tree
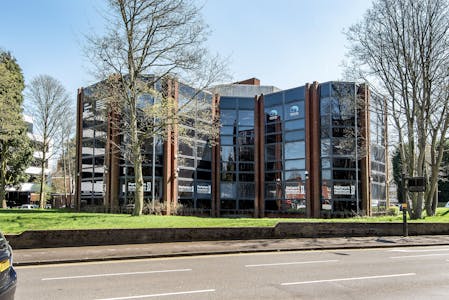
15,149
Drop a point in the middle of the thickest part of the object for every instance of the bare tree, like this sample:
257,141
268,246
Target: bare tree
403,46
48,103
159,37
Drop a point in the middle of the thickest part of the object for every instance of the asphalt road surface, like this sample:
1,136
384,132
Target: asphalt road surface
394,273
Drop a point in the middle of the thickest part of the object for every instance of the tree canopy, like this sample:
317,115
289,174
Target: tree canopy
15,149
402,48
162,38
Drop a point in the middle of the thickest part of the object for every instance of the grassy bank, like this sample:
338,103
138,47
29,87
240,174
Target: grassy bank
16,221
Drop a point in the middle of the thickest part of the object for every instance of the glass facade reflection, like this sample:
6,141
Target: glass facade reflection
237,139
285,151
311,151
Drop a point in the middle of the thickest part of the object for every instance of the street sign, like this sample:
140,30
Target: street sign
416,184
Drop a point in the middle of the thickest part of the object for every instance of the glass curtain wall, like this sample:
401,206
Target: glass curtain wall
340,161
195,150
377,125
285,151
237,172
94,135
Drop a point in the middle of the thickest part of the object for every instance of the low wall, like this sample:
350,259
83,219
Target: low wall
75,238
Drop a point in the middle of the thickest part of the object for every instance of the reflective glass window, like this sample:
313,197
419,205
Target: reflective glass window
227,140
273,99
228,117
273,138
294,110
325,163
186,162
326,174
295,150
246,153
325,89
229,130
246,167
273,114
227,103
246,117
295,175
295,164
203,175
228,176
294,125
246,177
294,94
325,147
273,166
273,152
228,190
245,103
246,190
294,136
227,153
272,191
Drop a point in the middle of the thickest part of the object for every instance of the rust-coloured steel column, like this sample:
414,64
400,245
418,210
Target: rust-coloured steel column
259,157
313,150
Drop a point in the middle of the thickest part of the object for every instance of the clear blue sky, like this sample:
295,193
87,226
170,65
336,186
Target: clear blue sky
285,43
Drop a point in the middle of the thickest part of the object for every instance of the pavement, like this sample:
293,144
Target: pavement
24,257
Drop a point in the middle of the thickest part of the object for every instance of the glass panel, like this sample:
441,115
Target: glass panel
273,152
294,150
294,94
294,111
229,130
297,164
273,114
247,190
294,136
228,117
227,103
227,140
246,153
325,147
273,166
273,138
228,190
246,167
246,137
294,125
227,153
294,175
245,103
246,177
246,117
185,173
273,99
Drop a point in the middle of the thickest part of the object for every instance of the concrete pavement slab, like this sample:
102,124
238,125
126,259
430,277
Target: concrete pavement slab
154,250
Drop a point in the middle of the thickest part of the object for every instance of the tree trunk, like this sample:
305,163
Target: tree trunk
3,182
42,188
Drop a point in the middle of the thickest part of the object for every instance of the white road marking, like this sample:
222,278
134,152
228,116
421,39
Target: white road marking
115,274
160,295
418,250
292,263
422,255
349,279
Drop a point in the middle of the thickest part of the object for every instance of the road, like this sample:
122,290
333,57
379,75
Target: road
393,273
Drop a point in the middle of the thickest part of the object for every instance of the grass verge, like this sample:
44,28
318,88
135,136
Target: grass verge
13,221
